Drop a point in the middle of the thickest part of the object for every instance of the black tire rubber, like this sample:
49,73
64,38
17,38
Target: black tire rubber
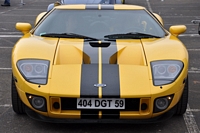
17,105
182,104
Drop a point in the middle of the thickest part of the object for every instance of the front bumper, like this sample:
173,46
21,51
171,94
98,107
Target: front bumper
69,113
160,118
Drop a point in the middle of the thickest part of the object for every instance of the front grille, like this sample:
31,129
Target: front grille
131,104
68,103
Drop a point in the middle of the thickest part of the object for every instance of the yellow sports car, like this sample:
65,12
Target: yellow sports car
99,62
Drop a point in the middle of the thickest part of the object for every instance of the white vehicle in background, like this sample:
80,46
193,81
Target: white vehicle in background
63,2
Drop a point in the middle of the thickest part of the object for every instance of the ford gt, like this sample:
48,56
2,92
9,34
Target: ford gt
99,62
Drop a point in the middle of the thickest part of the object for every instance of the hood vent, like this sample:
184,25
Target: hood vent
100,44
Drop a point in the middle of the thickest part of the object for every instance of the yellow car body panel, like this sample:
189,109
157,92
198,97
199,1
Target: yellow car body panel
37,50
69,54
65,86
169,44
125,49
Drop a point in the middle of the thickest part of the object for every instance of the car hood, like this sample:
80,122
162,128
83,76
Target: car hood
81,68
118,68
99,69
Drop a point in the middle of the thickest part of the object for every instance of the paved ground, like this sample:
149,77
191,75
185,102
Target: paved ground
173,12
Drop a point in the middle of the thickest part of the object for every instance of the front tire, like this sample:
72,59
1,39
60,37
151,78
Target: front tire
17,105
182,104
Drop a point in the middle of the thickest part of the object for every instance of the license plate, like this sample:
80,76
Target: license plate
104,103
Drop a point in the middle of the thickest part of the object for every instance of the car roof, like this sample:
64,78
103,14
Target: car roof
100,7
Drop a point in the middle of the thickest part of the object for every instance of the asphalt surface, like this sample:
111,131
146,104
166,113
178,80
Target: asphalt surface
173,12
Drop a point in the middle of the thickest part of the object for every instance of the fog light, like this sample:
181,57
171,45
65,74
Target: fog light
162,103
37,102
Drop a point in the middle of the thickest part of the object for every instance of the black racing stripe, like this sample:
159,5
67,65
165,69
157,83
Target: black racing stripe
109,51
110,72
92,52
91,7
110,114
89,114
89,77
107,7
110,77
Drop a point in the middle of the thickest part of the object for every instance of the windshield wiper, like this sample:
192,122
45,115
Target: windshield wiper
131,35
69,35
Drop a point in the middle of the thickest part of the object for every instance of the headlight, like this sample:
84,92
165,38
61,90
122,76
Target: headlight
34,71
165,72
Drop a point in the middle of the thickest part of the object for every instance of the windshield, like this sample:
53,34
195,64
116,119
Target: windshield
99,23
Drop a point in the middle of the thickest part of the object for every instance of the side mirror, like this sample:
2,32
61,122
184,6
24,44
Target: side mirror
39,17
52,5
23,27
159,18
177,29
